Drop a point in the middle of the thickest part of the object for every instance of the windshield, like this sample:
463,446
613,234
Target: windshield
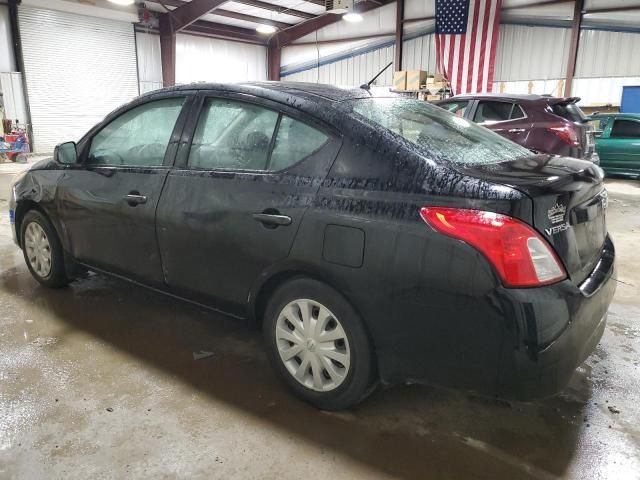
438,133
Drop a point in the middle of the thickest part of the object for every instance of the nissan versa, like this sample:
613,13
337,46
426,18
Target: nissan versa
374,240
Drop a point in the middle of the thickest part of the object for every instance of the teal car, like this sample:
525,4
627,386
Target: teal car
618,144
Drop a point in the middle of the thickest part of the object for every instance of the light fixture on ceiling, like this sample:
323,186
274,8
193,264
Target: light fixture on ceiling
122,2
266,29
352,17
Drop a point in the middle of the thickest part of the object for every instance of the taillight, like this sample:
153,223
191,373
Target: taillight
565,133
519,254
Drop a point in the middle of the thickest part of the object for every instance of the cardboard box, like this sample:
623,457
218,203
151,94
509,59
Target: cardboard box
415,79
436,78
400,80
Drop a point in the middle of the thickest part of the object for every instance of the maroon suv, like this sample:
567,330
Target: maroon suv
545,124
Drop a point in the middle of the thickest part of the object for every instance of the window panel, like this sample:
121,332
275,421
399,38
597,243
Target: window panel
459,108
517,112
625,129
492,112
295,141
232,135
138,137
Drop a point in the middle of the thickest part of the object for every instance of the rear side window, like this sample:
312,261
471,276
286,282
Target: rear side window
232,135
240,136
517,112
459,108
490,111
295,140
438,134
570,111
625,129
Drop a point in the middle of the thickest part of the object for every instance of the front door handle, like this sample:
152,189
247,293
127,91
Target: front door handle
516,130
134,198
272,220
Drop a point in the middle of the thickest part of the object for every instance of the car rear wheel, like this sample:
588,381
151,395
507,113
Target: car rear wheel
318,344
42,250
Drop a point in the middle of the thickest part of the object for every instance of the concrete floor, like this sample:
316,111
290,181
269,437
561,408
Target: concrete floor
99,381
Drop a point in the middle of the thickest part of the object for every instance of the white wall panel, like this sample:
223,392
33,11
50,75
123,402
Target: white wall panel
149,61
531,53
77,69
11,86
592,91
608,54
601,91
7,58
200,59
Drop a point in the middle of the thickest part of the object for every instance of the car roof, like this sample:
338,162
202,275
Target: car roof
506,96
280,91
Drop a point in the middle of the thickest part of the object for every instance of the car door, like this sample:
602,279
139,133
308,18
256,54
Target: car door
619,146
107,202
505,118
232,206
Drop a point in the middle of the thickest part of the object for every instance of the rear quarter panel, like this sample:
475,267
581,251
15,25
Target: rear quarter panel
426,300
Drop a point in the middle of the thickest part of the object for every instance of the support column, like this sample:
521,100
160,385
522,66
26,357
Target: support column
573,49
397,63
167,51
273,61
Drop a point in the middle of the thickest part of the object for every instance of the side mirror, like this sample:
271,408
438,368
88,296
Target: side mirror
66,153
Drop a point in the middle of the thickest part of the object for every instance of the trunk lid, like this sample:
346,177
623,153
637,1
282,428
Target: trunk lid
569,203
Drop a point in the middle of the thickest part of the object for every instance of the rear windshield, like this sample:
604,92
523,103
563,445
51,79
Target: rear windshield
438,133
570,111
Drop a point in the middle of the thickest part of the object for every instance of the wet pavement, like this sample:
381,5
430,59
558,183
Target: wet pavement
100,380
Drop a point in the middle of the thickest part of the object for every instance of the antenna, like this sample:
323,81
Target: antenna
367,86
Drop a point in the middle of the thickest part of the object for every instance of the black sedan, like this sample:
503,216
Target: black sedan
374,240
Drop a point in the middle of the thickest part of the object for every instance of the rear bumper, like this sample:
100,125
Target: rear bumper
534,369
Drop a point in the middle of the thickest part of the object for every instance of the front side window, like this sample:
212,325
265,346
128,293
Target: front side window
625,129
236,135
437,133
138,137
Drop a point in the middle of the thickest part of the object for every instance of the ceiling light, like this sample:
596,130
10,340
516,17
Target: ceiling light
266,29
122,2
352,17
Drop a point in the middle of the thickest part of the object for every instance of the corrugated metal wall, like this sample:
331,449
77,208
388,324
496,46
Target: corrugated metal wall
531,53
351,71
608,54
419,53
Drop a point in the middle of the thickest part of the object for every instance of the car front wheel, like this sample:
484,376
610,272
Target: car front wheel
42,250
318,344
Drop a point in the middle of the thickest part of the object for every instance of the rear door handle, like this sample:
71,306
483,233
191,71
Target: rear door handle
516,130
134,198
272,219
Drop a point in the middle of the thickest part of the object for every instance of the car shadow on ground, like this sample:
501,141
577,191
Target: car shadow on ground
401,431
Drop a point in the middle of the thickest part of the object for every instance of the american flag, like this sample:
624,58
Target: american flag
466,39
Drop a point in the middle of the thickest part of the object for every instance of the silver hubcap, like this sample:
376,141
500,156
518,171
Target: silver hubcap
38,249
313,345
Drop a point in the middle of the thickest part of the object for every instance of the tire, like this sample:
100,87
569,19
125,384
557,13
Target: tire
34,225
352,375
